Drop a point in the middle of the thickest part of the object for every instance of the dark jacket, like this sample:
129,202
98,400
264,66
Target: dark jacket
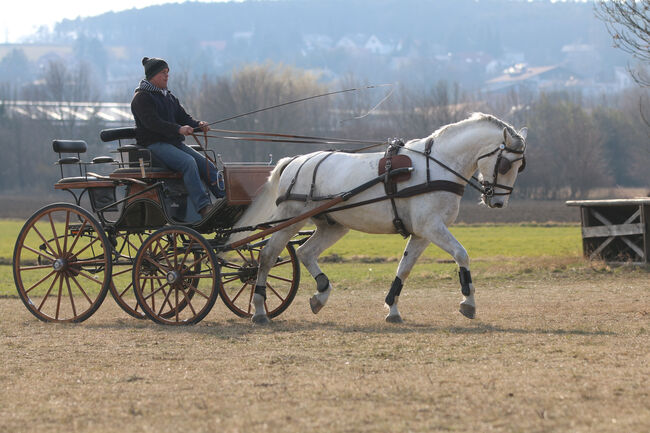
158,116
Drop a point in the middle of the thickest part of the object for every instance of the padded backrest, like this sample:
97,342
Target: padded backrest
117,134
69,146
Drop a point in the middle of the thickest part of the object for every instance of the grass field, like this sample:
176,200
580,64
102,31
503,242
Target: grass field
559,345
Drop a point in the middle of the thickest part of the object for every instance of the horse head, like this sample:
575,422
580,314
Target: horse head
498,168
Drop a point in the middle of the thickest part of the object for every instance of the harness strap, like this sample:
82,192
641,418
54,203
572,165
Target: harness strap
313,177
423,188
288,194
390,186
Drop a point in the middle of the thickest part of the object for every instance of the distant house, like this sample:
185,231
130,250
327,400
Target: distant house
532,78
214,45
375,46
317,41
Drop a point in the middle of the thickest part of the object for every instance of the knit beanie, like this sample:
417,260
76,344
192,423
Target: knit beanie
153,66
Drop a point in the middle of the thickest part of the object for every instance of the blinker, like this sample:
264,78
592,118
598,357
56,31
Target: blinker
504,165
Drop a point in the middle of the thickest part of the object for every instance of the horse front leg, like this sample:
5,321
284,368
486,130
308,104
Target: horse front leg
268,256
325,236
440,235
414,248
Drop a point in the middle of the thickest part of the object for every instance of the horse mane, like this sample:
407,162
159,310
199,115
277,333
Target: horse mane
478,117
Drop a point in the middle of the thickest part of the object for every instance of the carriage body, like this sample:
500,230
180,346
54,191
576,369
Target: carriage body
142,240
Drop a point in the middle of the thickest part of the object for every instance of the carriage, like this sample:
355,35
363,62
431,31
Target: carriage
143,242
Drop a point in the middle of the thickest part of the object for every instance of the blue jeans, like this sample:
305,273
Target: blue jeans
194,168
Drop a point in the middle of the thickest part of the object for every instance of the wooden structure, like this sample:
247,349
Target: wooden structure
617,231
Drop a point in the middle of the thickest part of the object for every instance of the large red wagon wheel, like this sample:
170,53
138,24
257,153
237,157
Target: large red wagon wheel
239,272
121,287
175,276
62,264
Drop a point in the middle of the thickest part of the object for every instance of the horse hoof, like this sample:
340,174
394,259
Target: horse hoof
468,311
261,319
394,319
315,304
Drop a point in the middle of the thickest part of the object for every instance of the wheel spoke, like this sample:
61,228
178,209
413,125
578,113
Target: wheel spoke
39,253
175,253
153,292
164,255
236,277
89,277
43,239
48,292
41,280
127,289
74,309
199,260
118,273
58,299
196,290
187,251
32,268
273,290
250,300
78,253
156,264
280,278
82,290
166,299
56,237
78,235
65,231
189,302
239,293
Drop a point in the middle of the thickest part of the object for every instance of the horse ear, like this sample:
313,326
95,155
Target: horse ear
506,137
523,132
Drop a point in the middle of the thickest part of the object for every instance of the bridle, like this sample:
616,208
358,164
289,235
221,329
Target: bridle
502,166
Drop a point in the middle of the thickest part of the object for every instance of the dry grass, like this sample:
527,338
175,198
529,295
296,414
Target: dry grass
549,351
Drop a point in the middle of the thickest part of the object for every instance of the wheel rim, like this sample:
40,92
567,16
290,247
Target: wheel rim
239,274
121,287
61,270
174,275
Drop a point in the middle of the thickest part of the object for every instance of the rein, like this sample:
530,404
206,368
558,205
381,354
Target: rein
485,188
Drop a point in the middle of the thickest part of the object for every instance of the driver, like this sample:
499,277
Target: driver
162,124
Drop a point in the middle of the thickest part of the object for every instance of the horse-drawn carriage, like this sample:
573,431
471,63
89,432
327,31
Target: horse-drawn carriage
158,259
143,242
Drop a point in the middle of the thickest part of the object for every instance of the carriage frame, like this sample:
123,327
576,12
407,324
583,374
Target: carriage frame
150,249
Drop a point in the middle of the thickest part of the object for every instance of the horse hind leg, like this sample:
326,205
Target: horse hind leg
414,248
268,256
326,235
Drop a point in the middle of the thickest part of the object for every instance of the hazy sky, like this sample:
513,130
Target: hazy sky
21,18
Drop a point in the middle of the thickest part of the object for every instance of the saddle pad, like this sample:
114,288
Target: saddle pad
397,161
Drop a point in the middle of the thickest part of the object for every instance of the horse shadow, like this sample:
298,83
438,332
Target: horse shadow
236,328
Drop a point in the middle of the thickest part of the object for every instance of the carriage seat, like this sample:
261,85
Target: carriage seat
153,169
81,181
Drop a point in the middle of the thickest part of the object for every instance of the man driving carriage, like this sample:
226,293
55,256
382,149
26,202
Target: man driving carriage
162,125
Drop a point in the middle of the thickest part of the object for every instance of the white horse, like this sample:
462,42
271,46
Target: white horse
481,142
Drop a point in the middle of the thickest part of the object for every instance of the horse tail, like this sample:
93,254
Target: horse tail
263,206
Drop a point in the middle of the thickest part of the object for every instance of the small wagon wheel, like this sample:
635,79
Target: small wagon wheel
127,246
239,272
61,263
175,276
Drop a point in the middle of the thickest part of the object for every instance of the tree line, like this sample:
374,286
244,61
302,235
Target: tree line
575,144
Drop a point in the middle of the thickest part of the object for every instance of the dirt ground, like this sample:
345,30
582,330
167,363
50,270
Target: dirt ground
548,352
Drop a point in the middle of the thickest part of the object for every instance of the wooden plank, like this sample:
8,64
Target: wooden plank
616,202
243,182
612,230
82,185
